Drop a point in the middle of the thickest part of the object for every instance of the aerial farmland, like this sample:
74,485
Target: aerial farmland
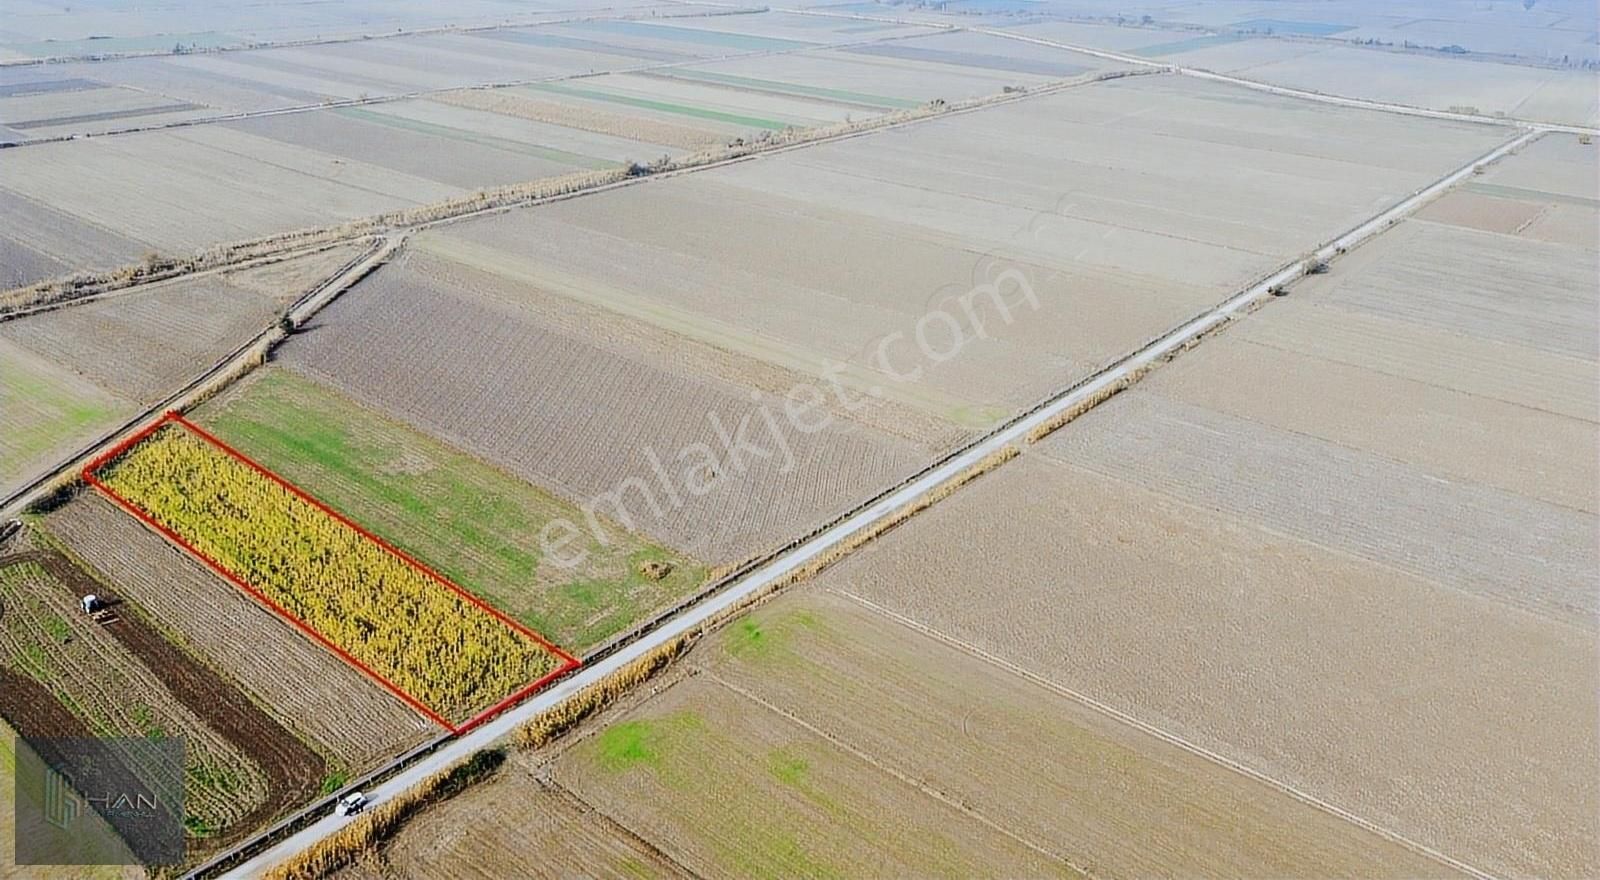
846,440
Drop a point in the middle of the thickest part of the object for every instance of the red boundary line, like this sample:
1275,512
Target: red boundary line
569,662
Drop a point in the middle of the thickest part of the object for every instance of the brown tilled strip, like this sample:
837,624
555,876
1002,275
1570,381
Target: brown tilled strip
293,770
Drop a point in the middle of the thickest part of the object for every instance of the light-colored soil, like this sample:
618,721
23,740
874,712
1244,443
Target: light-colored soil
302,684
1461,534
1380,693
1448,434
725,787
582,417
147,344
1494,287
520,825
1125,205
511,103
1479,211
1425,352
1120,801
287,280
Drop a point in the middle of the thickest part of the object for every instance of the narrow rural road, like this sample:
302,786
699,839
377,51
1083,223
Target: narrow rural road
302,309
1013,433
1196,72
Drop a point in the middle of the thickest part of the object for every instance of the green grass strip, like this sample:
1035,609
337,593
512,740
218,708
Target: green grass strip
461,134
663,106
783,88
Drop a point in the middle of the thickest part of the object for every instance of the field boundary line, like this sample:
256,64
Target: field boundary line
1182,70
899,775
493,85
92,477
1166,736
771,569
1302,94
112,57
381,249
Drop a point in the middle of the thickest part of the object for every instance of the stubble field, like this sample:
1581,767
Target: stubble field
581,413
793,734
852,244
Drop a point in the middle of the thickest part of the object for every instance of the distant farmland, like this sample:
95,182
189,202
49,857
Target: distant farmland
824,255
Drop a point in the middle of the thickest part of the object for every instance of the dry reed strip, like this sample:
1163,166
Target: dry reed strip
344,846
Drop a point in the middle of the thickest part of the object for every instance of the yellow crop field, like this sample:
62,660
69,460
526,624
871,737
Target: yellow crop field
418,634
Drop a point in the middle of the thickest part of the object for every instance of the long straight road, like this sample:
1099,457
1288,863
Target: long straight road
1014,433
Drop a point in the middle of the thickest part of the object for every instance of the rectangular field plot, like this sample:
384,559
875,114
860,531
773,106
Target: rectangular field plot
1126,206
1370,690
451,656
580,401
473,523
727,787
817,737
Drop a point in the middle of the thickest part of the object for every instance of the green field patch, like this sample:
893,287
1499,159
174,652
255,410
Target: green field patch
577,160
43,410
767,638
644,743
720,39
775,87
468,520
662,106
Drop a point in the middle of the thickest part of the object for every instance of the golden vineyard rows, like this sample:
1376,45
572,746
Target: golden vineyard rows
420,635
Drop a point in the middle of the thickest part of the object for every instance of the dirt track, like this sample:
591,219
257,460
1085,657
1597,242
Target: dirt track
294,772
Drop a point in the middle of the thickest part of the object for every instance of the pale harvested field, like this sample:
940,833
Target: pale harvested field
523,826
184,189
1554,166
304,686
91,110
40,242
507,103
1127,207
725,788
49,411
448,156
571,411
145,344
555,134
285,281
1379,692
1122,802
1449,434
1571,96
1464,534
1509,290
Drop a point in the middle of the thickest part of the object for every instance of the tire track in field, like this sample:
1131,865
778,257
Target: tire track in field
912,781
1166,736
